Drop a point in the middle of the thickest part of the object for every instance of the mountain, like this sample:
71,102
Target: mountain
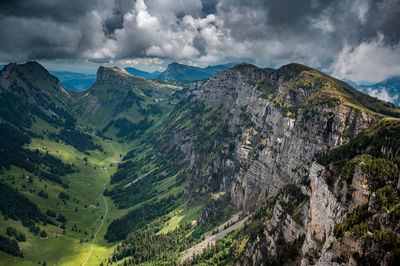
74,81
311,209
387,90
250,167
117,94
29,90
176,71
144,74
252,139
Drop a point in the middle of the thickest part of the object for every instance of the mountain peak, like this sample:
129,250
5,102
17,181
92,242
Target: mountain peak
173,64
295,67
29,71
250,71
31,66
106,74
245,67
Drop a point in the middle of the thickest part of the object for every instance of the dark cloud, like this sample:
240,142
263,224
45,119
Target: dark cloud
57,10
209,6
342,37
116,20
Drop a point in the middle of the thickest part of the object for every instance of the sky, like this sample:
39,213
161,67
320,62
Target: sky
357,40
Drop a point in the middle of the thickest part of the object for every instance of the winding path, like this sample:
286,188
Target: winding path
102,220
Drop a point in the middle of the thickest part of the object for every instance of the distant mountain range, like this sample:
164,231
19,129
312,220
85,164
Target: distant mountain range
141,73
181,72
176,71
307,163
79,81
75,81
387,90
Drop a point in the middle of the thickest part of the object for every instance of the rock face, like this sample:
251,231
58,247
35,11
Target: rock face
116,77
325,213
272,147
279,122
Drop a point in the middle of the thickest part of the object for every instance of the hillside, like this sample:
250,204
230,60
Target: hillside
118,95
149,172
49,172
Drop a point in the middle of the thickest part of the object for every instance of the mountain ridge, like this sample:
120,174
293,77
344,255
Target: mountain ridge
176,71
265,143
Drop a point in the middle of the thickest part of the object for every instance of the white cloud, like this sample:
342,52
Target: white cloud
143,19
204,32
382,94
139,61
370,61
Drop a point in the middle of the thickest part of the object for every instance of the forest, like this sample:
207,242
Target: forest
140,217
81,141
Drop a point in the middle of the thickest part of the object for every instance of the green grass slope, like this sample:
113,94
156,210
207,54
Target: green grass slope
118,94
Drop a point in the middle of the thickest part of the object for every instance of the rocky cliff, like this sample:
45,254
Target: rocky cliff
279,122
272,145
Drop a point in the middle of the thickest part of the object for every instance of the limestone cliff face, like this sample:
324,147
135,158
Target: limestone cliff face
273,148
279,122
115,76
352,214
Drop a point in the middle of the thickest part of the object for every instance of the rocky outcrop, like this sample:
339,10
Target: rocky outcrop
325,213
273,148
112,75
280,121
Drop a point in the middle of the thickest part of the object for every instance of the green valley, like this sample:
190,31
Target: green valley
252,166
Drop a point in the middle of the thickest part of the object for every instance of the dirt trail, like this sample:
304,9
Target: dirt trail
199,248
102,220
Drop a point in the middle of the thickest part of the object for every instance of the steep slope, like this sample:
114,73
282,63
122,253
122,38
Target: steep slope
118,97
345,213
176,71
311,163
29,90
247,140
282,120
49,172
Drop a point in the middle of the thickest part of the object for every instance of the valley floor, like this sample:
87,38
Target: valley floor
90,211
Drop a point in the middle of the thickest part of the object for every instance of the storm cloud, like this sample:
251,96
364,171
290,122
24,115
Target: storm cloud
358,40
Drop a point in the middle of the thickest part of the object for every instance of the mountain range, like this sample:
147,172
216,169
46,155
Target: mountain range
181,72
248,166
75,81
